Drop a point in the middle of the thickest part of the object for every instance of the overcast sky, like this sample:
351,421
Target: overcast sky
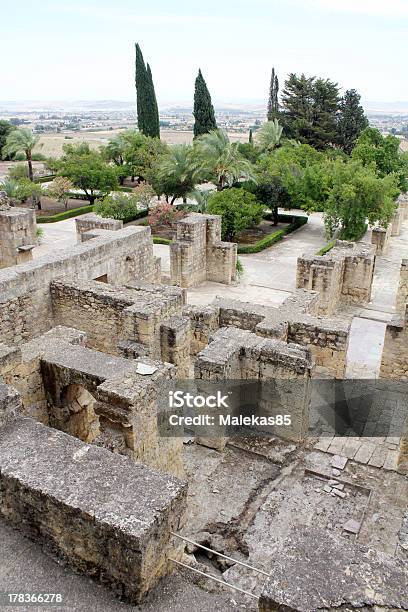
84,49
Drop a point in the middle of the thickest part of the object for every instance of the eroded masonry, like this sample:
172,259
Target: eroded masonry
87,337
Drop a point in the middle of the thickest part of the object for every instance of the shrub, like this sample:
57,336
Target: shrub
119,206
18,171
238,209
164,214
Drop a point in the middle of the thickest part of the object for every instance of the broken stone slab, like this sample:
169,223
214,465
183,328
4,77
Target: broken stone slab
338,462
101,513
315,570
352,526
339,493
327,489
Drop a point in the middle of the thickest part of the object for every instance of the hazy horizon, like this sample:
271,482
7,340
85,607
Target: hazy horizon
85,50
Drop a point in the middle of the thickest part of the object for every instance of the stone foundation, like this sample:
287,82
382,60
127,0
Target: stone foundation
18,235
105,516
344,275
198,254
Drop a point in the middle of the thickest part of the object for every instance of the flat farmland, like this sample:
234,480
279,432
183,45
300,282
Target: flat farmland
51,145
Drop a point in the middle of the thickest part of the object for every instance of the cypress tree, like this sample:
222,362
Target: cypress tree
141,90
147,109
251,138
203,112
273,103
153,110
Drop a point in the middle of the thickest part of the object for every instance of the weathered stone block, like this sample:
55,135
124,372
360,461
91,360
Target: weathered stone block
104,515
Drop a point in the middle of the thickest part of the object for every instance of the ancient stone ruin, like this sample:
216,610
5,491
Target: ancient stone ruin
18,234
198,253
88,336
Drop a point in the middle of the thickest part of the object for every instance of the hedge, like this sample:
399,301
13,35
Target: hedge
294,223
67,214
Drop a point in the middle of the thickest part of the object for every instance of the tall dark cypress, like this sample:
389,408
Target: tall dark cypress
203,112
141,90
153,109
147,109
351,120
273,103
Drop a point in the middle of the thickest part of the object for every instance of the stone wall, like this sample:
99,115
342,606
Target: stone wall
111,316
344,275
25,297
236,354
294,321
397,220
10,404
197,254
91,221
402,293
107,517
18,235
380,238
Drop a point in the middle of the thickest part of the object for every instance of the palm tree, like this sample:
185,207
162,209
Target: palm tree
178,172
269,136
220,160
22,141
201,196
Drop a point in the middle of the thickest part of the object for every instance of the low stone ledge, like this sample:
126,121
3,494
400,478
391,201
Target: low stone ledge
315,570
106,516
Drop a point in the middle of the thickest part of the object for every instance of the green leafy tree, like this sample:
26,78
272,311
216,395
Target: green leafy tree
358,195
5,128
269,135
351,120
309,110
273,104
238,209
147,109
220,160
304,175
204,115
141,154
22,141
87,170
122,206
384,152
178,172
59,189
114,152
28,190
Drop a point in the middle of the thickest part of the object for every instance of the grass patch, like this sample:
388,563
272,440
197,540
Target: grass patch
158,240
327,247
294,223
